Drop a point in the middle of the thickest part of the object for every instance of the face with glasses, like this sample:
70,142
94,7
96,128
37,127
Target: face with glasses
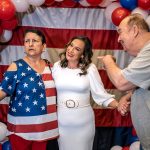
126,36
33,44
75,50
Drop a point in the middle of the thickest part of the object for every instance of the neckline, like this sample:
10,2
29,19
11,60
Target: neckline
34,69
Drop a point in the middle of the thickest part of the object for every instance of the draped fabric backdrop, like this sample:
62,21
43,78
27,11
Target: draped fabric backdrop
59,26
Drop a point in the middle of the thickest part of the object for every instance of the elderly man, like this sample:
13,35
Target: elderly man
134,36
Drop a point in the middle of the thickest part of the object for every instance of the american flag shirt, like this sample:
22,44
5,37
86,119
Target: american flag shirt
32,108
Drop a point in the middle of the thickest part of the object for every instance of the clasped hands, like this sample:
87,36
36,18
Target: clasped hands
124,104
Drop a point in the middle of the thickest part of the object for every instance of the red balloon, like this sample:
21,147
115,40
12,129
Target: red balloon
1,30
144,4
7,9
125,148
119,14
9,24
49,2
94,2
68,3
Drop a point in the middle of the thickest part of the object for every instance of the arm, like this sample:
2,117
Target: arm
114,73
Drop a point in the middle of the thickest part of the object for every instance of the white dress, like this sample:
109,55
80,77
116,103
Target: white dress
77,124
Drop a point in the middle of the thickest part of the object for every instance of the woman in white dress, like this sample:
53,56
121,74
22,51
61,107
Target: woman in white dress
76,78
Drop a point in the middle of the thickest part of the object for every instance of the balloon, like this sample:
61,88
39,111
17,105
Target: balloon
119,14
49,2
7,9
68,3
3,131
129,4
144,4
135,146
76,0
10,24
138,10
21,5
105,3
6,36
84,3
125,148
94,2
1,30
6,146
110,8
36,2
58,0
116,147
148,20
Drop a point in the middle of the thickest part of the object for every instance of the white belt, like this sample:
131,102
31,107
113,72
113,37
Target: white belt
73,103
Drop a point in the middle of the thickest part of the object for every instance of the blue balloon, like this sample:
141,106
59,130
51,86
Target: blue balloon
129,4
6,146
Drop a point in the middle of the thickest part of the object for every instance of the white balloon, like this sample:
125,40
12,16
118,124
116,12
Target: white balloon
110,8
105,3
6,36
135,146
148,21
143,12
116,147
84,3
36,2
3,131
20,5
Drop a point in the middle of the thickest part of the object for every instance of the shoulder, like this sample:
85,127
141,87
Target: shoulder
92,67
12,67
56,64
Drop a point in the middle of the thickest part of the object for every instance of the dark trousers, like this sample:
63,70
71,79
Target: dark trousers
52,145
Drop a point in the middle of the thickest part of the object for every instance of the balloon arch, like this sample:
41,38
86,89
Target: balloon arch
115,10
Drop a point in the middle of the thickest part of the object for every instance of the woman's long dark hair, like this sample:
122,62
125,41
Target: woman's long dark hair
84,61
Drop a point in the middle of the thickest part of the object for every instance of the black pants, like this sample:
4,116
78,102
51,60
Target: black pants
52,145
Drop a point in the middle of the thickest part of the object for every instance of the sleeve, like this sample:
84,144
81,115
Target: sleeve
138,71
8,84
99,94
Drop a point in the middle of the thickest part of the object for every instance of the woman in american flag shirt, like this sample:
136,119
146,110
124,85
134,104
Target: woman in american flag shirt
32,118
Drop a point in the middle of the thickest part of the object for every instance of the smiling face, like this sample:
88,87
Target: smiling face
126,36
75,50
33,44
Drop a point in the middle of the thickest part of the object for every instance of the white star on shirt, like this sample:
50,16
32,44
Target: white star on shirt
27,109
15,76
43,107
6,78
31,79
19,92
37,74
20,64
41,95
9,87
13,109
39,83
28,68
35,102
23,74
34,90
25,85
19,104
27,97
